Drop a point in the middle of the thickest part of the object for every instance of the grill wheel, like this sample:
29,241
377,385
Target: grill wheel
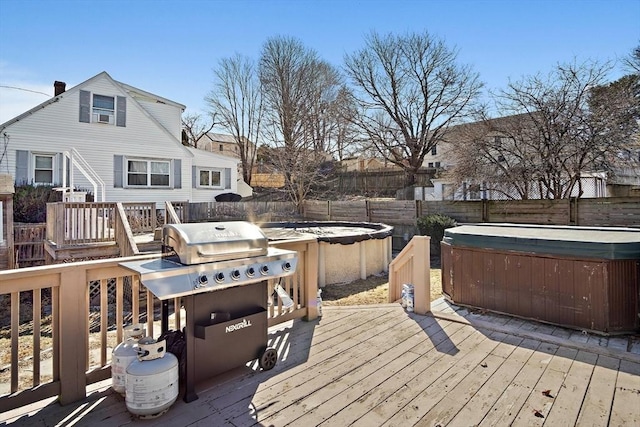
268,359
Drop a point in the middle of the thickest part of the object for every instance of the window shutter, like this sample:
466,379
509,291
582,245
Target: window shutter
60,164
85,106
177,173
194,175
118,176
22,167
227,178
121,111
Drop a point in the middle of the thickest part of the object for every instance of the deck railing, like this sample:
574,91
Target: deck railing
412,266
59,337
73,223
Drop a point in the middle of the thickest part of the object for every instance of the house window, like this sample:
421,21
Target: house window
43,169
148,173
221,147
437,164
434,150
211,178
430,164
103,109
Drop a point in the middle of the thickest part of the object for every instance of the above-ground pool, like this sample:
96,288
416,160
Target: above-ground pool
581,277
347,250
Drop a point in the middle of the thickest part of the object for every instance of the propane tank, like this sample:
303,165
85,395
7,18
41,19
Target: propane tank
152,380
319,304
123,355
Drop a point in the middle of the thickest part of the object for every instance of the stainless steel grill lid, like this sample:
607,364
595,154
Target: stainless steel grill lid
213,241
211,256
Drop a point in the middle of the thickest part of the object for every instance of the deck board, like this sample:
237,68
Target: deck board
378,365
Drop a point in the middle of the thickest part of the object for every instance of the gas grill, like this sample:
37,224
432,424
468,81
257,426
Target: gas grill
220,270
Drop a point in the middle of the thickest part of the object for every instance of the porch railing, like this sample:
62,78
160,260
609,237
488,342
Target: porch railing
62,321
413,266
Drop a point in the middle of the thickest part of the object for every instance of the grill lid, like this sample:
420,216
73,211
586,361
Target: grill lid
212,241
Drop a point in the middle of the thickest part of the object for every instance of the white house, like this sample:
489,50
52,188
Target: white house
120,142
445,154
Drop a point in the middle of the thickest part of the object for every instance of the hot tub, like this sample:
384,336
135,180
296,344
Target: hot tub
580,277
347,251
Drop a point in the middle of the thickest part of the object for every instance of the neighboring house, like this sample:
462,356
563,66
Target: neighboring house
225,145
220,144
443,156
120,142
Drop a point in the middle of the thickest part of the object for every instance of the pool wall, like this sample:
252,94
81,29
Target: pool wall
345,258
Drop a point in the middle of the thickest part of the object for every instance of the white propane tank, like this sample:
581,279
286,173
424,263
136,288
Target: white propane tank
125,353
319,302
152,380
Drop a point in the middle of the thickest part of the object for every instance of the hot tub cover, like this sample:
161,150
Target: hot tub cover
582,242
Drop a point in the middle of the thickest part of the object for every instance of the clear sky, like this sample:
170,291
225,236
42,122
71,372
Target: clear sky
170,47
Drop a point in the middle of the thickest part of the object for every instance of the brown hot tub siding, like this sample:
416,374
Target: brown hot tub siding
593,294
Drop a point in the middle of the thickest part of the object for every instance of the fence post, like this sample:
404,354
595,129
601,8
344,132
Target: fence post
485,210
573,211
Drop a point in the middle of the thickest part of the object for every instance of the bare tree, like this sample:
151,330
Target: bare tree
410,90
237,99
299,90
632,62
553,130
194,127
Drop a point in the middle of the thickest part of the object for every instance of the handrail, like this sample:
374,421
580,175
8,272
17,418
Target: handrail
85,168
412,265
171,216
124,235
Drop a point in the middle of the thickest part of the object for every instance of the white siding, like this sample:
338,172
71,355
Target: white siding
56,128
166,115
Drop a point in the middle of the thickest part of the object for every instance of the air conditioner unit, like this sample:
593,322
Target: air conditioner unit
104,118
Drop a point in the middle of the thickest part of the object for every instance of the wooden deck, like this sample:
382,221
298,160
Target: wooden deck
378,365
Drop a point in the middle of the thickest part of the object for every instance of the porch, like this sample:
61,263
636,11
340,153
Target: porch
379,365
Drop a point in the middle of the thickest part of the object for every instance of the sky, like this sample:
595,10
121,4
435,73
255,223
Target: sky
170,48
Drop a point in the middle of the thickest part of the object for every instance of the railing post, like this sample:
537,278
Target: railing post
311,280
73,334
422,275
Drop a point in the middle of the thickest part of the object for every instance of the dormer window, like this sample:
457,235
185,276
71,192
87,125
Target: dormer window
103,109
95,108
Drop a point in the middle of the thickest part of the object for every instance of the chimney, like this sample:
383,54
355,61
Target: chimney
59,87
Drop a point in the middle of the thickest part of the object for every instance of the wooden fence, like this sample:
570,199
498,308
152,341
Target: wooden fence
247,211
28,246
401,214
610,211
379,182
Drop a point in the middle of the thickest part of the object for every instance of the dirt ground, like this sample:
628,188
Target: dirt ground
372,290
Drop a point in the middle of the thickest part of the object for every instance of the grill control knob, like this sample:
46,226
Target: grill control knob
251,272
220,277
286,266
202,280
235,274
264,270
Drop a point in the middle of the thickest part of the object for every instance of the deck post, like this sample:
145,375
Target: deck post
422,275
73,334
